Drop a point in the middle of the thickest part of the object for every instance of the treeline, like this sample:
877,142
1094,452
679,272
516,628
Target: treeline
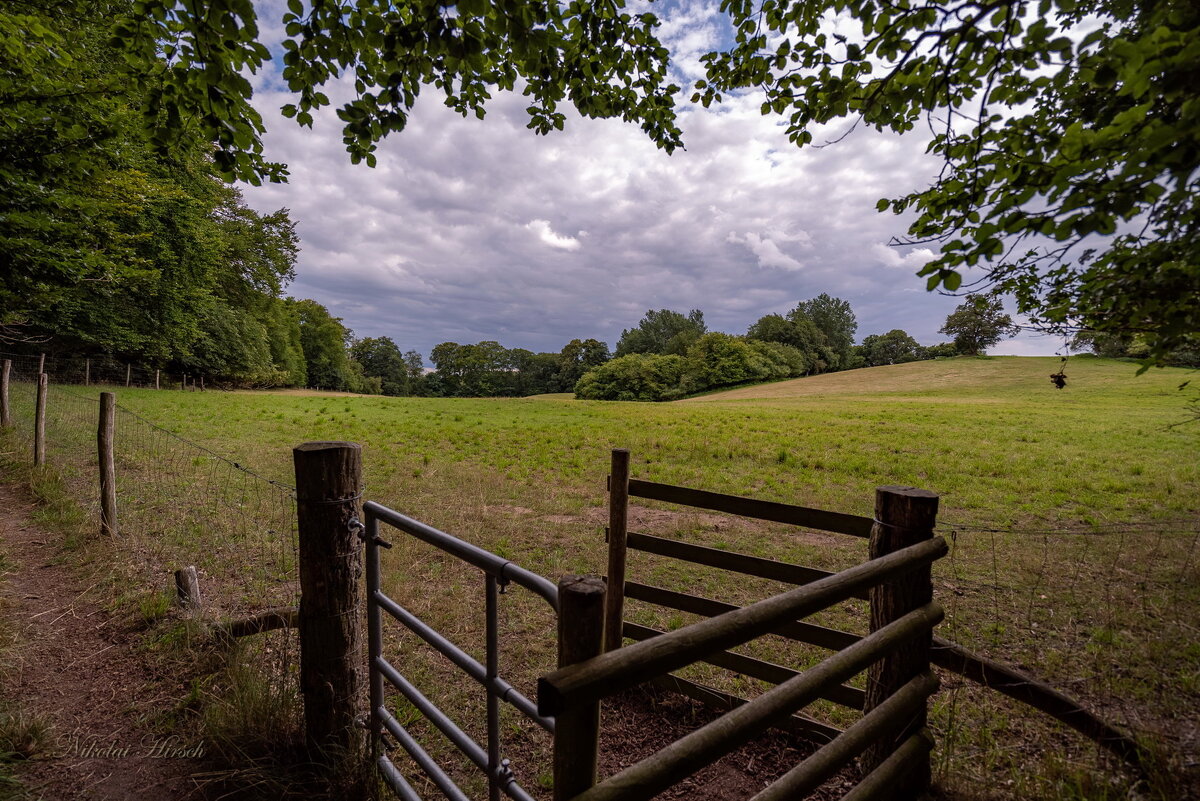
671,355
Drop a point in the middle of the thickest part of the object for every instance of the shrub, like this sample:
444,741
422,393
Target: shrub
637,377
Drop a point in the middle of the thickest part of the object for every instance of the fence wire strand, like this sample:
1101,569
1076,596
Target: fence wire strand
179,502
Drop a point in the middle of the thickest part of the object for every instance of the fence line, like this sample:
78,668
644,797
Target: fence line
179,502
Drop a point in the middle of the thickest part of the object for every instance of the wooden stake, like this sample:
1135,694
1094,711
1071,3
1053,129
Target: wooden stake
39,421
105,434
581,601
328,482
41,363
87,372
128,373
5,409
201,383
183,383
187,588
904,516
156,379
618,519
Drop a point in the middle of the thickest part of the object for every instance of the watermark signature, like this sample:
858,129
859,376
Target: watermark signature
94,746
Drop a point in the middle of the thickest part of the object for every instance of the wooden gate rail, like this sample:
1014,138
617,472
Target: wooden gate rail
618,669
632,665
945,654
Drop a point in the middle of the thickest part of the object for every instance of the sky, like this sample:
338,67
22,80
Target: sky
471,230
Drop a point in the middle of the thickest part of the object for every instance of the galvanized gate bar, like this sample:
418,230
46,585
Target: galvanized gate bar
395,779
438,718
484,560
467,663
498,572
419,755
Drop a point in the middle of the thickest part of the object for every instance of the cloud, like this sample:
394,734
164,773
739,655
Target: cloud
479,229
912,260
768,253
547,235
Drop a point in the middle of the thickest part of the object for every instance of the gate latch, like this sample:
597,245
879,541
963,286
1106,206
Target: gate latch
360,531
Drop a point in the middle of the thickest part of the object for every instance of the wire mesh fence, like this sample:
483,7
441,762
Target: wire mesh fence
1104,613
179,503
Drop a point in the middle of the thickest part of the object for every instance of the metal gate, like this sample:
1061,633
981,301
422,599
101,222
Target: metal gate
498,572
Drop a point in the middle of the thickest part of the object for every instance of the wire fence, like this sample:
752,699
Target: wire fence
1105,613
179,502
105,371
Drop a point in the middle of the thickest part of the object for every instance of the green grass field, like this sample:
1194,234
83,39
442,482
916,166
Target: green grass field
1072,514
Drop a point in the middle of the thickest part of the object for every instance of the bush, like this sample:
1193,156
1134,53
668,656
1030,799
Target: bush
719,360
637,377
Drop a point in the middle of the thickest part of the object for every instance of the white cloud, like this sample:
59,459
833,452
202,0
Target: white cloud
912,260
547,235
768,253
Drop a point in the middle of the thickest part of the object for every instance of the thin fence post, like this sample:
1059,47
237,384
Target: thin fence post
156,379
618,520
328,481
39,421
201,383
87,372
41,363
183,383
5,409
105,433
904,516
580,637
128,373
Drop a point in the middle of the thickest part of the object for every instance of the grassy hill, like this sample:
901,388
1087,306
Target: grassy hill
1088,377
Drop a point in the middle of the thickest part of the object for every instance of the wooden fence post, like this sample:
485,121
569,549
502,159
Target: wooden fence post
41,363
187,588
904,516
105,433
87,372
328,481
5,409
618,529
128,373
183,383
581,601
156,372
201,383
39,421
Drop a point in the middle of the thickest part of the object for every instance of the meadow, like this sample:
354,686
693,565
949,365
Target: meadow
1072,513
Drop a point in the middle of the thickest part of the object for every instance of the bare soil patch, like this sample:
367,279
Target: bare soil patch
643,721
77,669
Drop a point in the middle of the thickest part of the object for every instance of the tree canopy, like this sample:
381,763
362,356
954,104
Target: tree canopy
662,332
978,323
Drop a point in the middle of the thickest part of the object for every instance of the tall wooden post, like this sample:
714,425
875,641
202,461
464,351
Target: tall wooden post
328,479
5,409
904,516
618,520
128,373
87,372
580,637
202,383
183,383
41,363
156,372
39,421
105,433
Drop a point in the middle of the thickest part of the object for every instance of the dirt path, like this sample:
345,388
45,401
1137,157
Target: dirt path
77,669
